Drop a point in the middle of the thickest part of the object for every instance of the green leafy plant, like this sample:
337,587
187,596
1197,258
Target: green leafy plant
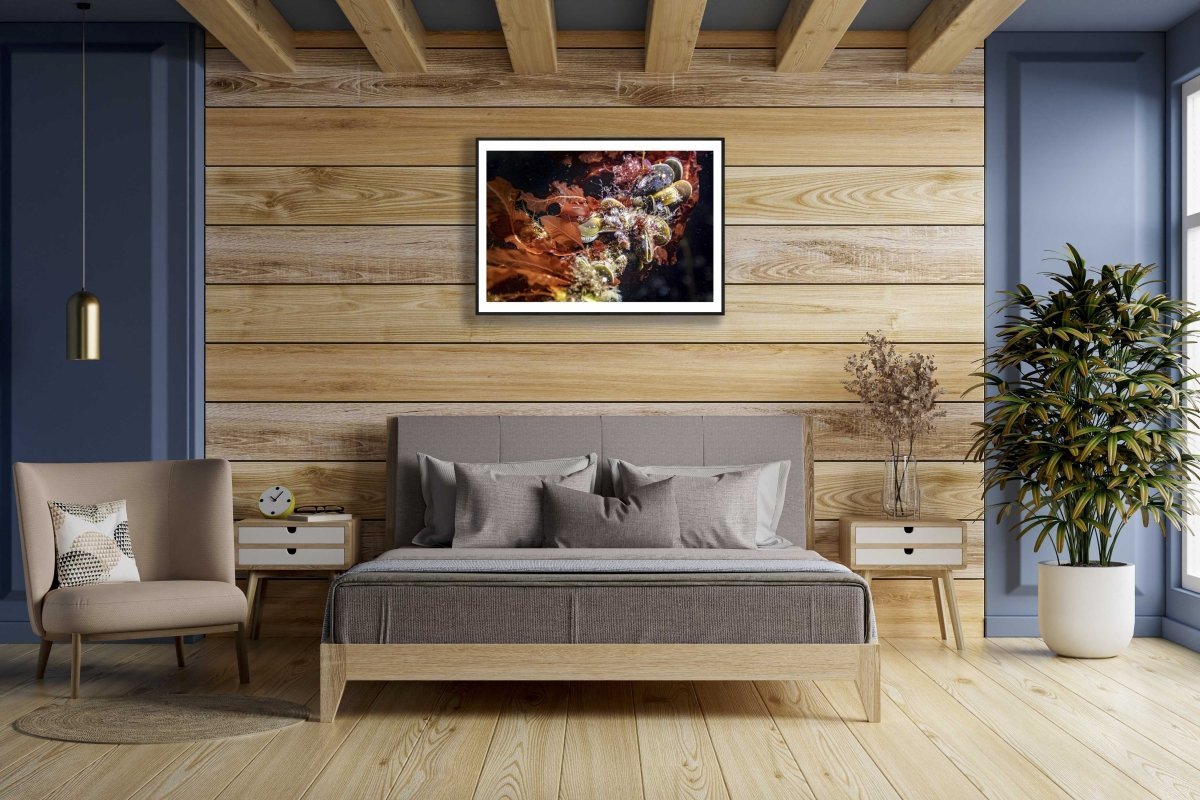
1090,408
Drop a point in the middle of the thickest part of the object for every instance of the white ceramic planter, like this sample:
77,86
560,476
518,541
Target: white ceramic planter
1086,612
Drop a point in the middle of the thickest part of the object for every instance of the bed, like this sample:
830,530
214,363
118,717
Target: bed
599,614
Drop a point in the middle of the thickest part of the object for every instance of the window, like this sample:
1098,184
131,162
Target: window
1191,285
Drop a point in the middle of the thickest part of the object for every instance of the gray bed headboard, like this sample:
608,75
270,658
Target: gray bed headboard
661,440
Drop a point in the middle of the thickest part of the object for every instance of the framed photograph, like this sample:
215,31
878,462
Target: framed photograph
600,226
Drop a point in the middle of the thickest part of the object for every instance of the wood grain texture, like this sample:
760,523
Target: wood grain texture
338,431
671,731
524,759
253,30
600,751
594,79
530,35
671,30
810,30
948,30
446,136
391,30
604,40
763,254
459,373
842,487
447,314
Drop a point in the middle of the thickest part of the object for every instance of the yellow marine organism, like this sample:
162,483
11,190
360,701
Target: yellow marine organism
589,229
674,194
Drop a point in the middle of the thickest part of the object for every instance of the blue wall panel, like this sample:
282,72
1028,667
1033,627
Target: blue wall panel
1074,154
144,398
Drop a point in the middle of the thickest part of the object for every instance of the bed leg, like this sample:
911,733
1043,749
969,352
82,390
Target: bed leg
333,679
868,681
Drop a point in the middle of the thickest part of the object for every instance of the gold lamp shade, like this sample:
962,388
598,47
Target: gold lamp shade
83,327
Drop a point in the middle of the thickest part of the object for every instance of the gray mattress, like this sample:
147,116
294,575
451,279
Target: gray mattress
547,596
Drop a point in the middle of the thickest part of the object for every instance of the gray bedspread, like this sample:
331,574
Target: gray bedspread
544,595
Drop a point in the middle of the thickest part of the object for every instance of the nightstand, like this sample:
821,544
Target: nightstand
277,548
931,548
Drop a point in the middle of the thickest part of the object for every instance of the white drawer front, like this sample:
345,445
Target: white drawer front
283,556
912,534
896,556
290,535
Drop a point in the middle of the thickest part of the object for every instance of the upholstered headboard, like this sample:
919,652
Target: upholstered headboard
662,440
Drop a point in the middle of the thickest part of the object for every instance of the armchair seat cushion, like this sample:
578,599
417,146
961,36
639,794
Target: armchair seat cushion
148,605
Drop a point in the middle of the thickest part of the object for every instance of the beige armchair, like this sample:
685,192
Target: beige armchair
181,524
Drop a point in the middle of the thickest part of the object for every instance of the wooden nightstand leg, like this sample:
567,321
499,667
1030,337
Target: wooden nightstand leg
937,599
258,607
952,600
252,589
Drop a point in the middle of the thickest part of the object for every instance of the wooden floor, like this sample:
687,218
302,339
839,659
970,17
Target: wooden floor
1005,719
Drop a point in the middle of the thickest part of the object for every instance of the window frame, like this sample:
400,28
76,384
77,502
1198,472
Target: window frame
1189,230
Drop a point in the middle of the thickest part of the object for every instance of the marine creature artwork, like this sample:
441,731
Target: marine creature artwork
581,229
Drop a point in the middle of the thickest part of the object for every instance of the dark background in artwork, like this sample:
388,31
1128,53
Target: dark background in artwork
689,279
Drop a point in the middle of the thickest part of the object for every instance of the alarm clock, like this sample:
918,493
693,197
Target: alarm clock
276,502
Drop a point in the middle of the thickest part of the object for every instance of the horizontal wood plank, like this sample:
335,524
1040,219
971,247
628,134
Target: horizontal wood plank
550,373
766,254
446,136
840,488
588,39
446,195
358,431
594,79
447,314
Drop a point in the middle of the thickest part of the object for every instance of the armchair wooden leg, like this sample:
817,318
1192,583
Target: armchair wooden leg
43,657
243,661
179,658
76,663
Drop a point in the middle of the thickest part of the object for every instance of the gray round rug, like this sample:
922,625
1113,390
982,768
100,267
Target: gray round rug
160,718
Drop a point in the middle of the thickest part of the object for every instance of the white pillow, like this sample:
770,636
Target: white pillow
93,543
772,489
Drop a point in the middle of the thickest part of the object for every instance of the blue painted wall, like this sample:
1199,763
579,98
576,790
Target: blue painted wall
1182,620
144,398
1074,153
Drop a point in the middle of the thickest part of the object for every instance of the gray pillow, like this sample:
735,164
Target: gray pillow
497,510
714,511
438,489
772,491
648,517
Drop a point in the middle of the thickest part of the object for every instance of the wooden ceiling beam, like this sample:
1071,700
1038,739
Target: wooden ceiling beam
809,32
672,27
948,30
391,30
253,30
530,34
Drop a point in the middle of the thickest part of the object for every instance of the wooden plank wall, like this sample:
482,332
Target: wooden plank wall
339,264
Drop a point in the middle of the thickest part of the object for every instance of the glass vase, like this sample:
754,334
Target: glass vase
901,488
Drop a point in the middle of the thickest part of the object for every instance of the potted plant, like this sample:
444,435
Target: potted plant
1087,422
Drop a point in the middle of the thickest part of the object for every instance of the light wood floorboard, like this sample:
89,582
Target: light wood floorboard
1004,719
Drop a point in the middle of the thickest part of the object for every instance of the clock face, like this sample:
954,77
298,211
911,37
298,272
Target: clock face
276,501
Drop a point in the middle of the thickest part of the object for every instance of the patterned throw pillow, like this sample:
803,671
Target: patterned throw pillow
93,543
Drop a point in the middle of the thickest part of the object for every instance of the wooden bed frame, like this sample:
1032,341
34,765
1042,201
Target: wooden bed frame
594,662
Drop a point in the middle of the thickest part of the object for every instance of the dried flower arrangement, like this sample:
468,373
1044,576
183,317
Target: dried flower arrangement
898,392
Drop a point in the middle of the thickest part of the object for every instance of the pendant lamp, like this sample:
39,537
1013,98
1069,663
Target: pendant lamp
83,307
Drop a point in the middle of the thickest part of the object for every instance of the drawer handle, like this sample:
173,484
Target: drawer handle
291,528
908,551
292,551
907,529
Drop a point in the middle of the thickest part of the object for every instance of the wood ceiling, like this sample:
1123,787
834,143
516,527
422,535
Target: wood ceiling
255,32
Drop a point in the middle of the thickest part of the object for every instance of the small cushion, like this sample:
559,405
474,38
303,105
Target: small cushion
718,511
647,517
145,606
772,491
92,543
438,489
497,510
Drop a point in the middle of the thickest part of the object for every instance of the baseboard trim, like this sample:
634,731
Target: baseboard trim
1027,627
1181,633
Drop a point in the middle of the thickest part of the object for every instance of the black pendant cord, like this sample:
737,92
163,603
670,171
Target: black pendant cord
83,9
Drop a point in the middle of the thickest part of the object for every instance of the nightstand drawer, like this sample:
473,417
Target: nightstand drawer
289,535
908,556
291,557
907,534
